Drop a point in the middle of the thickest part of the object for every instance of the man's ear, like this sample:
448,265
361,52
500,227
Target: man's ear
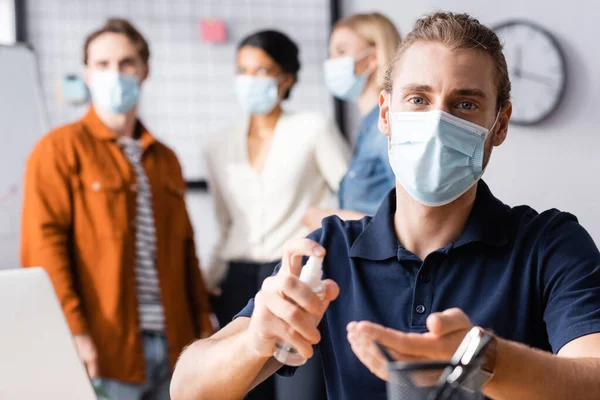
503,119
145,73
384,114
87,76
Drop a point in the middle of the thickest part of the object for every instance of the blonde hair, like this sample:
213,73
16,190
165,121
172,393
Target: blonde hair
377,30
457,31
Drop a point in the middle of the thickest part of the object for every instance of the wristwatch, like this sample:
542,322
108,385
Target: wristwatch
472,365
488,363
487,358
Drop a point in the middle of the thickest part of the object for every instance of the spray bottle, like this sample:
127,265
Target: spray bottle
311,275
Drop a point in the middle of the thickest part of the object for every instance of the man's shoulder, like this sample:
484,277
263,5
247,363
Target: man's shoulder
526,218
550,231
59,140
337,232
164,150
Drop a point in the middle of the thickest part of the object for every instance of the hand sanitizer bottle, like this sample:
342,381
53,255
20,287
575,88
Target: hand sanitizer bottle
311,274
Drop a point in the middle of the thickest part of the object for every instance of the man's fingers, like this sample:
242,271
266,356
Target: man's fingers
298,319
363,349
295,250
280,329
332,290
291,288
449,321
407,344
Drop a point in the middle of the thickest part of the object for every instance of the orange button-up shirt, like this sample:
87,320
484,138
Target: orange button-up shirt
78,224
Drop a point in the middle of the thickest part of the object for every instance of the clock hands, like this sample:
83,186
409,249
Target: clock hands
519,73
518,62
530,76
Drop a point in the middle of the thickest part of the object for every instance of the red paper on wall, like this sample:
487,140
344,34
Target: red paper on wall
213,30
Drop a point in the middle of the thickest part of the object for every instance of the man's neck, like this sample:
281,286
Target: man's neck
121,124
263,126
422,230
368,99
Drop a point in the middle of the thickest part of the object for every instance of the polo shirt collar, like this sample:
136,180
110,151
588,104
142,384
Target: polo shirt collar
95,127
486,224
487,221
378,240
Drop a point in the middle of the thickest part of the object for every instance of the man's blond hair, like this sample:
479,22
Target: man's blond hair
457,31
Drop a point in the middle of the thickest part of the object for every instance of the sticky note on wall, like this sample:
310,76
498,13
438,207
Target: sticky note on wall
212,30
73,90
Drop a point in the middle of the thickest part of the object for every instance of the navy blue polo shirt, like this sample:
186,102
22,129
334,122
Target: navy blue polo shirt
532,278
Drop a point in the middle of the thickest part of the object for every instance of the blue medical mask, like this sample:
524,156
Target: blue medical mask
436,156
113,91
340,78
256,95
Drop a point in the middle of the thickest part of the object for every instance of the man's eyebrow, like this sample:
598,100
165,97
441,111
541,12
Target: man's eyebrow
415,87
470,92
127,59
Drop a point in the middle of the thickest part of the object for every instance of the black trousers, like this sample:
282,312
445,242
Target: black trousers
240,285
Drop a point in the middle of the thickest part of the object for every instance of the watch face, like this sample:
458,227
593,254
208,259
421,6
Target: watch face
536,67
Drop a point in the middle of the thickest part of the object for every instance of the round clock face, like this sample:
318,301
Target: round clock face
536,66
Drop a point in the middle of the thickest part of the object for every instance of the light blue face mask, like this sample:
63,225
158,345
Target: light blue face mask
436,156
255,94
340,78
114,92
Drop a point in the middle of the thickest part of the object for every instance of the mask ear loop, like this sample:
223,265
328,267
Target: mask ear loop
495,121
492,149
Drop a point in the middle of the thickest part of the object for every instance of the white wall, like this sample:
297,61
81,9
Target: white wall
555,164
200,207
7,22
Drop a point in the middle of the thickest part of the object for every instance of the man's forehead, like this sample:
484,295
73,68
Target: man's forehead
440,67
111,45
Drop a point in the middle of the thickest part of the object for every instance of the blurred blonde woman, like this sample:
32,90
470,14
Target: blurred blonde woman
360,48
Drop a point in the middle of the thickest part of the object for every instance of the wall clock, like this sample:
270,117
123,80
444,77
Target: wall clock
537,70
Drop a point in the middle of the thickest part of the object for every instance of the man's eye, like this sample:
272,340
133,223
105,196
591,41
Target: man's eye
417,101
466,105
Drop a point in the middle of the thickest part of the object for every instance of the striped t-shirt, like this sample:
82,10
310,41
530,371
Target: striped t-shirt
150,309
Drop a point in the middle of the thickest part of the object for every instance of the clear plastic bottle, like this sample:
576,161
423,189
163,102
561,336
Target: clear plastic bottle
311,274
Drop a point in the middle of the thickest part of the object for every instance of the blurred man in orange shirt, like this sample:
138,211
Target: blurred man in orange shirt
104,214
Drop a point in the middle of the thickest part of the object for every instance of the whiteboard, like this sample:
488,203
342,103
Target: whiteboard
22,123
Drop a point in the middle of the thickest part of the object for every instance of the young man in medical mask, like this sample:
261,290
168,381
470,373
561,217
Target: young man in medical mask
104,214
440,258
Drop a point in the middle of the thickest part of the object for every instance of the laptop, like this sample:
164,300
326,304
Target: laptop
38,358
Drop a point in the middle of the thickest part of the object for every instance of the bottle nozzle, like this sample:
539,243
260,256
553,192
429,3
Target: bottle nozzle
312,270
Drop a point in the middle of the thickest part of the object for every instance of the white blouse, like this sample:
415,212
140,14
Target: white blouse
258,212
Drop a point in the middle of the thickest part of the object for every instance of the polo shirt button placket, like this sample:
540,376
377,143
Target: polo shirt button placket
423,295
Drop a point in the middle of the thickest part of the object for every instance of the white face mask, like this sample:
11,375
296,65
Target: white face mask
113,91
255,94
436,156
340,78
